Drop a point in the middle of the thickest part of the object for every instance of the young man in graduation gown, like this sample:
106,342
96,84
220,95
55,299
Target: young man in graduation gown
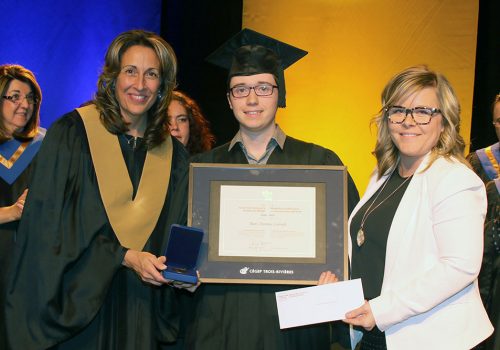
244,316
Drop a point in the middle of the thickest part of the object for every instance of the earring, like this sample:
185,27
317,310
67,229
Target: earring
159,95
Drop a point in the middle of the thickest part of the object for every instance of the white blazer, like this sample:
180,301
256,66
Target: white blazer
430,296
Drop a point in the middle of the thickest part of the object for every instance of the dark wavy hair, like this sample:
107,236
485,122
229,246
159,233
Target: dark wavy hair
105,99
9,72
201,138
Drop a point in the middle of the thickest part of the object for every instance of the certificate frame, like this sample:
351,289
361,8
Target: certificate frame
326,189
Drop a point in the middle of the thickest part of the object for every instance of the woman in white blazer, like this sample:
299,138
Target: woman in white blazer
416,236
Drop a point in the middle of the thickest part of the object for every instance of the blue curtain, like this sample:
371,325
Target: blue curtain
64,43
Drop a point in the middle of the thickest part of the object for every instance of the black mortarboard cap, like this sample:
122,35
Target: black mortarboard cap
249,53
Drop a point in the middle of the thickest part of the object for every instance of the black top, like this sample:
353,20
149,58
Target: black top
134,154
368,261
68,286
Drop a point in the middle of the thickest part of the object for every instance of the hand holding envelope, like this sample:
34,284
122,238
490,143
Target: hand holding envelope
323,303
362,316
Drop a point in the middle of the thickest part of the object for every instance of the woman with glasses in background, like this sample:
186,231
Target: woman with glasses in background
416,236
20,139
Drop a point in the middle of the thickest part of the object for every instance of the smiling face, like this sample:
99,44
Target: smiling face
138,82
16,116
415,141
256,114
178,122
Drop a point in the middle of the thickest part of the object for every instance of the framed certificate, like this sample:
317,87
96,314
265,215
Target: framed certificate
269,224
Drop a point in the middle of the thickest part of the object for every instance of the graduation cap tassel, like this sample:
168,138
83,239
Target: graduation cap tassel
281,89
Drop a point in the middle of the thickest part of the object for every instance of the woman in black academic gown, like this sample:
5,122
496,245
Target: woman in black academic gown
87,269
20,139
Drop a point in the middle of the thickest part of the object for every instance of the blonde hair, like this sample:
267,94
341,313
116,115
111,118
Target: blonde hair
409,81
105,99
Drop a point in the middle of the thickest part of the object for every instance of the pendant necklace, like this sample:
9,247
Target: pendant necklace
360,237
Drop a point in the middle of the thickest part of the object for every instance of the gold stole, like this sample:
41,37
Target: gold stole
133,221
8,163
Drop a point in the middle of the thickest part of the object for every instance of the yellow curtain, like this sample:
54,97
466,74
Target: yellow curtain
354,47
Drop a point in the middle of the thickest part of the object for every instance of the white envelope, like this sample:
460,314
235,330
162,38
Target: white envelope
328,302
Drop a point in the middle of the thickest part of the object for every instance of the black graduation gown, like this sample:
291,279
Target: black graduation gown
244,316
9,193
68,289
489,277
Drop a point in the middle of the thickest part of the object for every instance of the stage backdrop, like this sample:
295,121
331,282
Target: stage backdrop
354,49
64,42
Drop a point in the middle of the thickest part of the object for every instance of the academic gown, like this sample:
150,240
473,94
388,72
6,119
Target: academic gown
478,168
489,277
13,182
244,316
69,289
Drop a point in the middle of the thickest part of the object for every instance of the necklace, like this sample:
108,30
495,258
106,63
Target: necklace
360,237
131,141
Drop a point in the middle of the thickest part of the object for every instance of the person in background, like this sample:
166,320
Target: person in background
489,277
20,140
244,316
107,185
187,124
485,163
416,236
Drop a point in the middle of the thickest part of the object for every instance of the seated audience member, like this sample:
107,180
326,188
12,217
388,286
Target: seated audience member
416,236
188,125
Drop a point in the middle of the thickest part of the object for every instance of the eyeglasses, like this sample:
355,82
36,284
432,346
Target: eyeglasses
241,91
420,115
17,98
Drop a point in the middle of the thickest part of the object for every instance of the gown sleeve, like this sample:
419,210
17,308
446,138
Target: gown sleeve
66,253
331,158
